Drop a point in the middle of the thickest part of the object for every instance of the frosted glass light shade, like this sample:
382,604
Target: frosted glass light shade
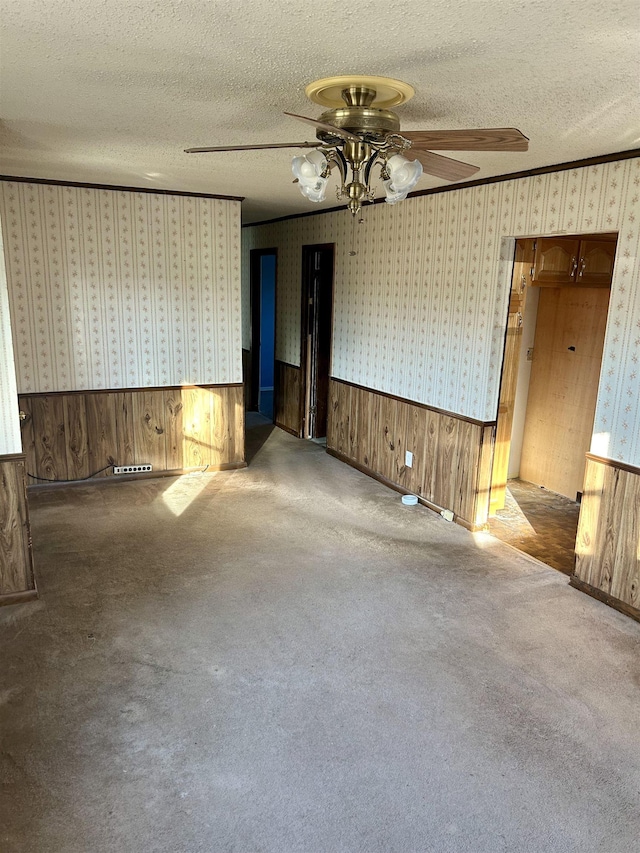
404,175
314,192
308,169
391,196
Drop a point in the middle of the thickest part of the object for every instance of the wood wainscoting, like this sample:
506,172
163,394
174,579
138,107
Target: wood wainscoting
287,397
452,455
70,436
16,563
608,541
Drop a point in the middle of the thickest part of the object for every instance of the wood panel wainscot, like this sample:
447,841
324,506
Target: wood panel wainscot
287,399
17,583
608,541
71,436
452,455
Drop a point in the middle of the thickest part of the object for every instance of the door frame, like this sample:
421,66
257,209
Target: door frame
524,254
255,282
521,277
304,331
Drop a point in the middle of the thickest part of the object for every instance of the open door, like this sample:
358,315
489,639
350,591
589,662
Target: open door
317,312
263,306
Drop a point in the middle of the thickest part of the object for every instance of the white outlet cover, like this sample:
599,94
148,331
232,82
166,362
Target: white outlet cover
408,459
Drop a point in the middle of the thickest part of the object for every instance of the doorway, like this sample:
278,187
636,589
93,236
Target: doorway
317,315
263,330
553,354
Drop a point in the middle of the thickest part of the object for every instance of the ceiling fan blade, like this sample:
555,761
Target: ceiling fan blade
253,147
330,128
480,139
443,167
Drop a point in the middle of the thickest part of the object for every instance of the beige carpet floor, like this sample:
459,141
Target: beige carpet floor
285,658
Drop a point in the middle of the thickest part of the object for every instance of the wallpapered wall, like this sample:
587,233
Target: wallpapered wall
10,441
113,289
420,310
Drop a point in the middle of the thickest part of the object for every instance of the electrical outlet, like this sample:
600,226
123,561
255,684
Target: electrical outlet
530,354
132,469
408,459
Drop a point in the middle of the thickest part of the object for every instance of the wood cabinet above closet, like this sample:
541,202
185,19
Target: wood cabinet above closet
574,261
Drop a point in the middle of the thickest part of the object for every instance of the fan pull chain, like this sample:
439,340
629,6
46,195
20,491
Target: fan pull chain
354,223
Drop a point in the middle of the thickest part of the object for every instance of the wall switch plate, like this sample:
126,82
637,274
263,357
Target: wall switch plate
408,459
132,469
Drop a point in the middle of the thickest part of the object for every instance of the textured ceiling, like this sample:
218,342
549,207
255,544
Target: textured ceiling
111,91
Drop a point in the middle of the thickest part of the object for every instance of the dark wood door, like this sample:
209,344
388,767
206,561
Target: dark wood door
317,293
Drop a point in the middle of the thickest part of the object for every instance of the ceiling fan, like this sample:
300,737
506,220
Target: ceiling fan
359,131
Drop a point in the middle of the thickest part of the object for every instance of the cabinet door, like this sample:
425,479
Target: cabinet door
595,268
556,261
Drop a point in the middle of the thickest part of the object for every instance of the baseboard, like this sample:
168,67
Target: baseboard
19,597
286,429
605,598
401,489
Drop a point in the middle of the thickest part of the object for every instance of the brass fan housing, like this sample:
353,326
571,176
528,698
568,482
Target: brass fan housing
366,101
371,123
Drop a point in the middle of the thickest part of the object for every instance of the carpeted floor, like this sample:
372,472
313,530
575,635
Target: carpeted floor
285,658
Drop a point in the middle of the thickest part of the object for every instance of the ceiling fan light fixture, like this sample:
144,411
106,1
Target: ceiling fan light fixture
310,170
359,131
307,168
392,196
404,174
315,192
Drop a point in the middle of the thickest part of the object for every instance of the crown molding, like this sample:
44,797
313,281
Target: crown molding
116,188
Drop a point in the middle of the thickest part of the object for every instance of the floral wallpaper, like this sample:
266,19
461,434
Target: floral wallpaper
420,308
115,289
10,441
